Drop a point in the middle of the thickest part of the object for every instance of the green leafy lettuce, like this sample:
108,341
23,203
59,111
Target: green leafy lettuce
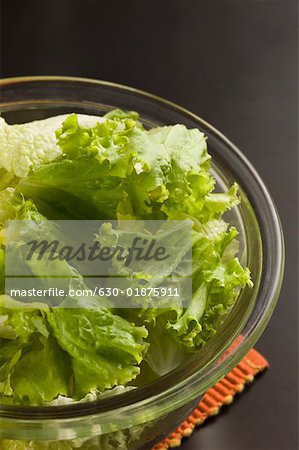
111,168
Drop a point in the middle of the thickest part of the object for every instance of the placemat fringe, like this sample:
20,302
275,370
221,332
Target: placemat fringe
222,393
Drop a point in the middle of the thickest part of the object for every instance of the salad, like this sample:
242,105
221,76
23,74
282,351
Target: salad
78,167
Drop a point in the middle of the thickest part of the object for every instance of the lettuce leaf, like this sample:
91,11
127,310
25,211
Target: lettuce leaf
49,378
28,145
104,348
73,351
26,344
94,195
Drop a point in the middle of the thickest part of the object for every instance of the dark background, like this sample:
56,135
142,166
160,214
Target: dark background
232,62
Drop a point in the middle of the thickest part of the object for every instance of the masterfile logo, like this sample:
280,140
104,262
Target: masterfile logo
123,263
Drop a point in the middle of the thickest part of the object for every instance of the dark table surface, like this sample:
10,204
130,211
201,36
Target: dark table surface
234,64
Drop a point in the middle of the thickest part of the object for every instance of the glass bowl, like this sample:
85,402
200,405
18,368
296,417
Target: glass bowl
138,419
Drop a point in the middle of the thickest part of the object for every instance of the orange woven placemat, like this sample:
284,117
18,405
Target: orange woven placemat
221,394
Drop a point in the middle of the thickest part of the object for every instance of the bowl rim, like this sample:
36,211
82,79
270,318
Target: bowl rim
155,392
